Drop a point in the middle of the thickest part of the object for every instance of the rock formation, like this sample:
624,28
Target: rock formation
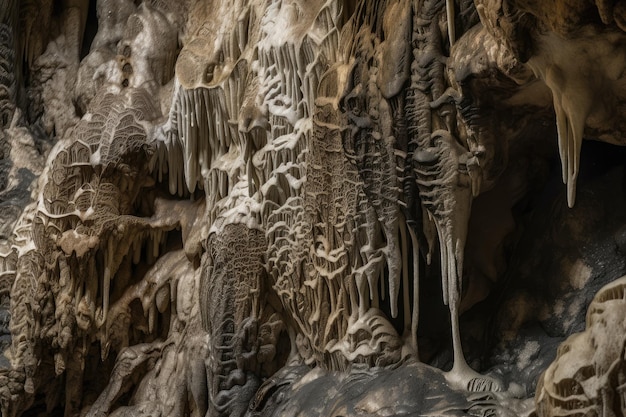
314,208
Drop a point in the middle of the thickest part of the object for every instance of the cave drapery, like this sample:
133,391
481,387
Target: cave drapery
312,207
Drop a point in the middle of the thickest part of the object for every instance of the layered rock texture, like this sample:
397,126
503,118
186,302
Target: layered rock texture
312,208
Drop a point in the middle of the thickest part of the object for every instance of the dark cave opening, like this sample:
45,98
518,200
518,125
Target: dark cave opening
91,29
601,183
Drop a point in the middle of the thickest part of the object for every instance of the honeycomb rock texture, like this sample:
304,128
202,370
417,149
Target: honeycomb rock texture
312,208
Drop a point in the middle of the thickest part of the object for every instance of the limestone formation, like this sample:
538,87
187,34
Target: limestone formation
315,208
588,374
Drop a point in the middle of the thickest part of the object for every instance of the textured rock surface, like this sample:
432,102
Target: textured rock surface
313,208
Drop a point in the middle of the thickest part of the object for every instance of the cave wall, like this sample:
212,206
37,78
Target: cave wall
316,208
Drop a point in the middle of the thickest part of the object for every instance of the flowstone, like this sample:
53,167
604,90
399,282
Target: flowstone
313,208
